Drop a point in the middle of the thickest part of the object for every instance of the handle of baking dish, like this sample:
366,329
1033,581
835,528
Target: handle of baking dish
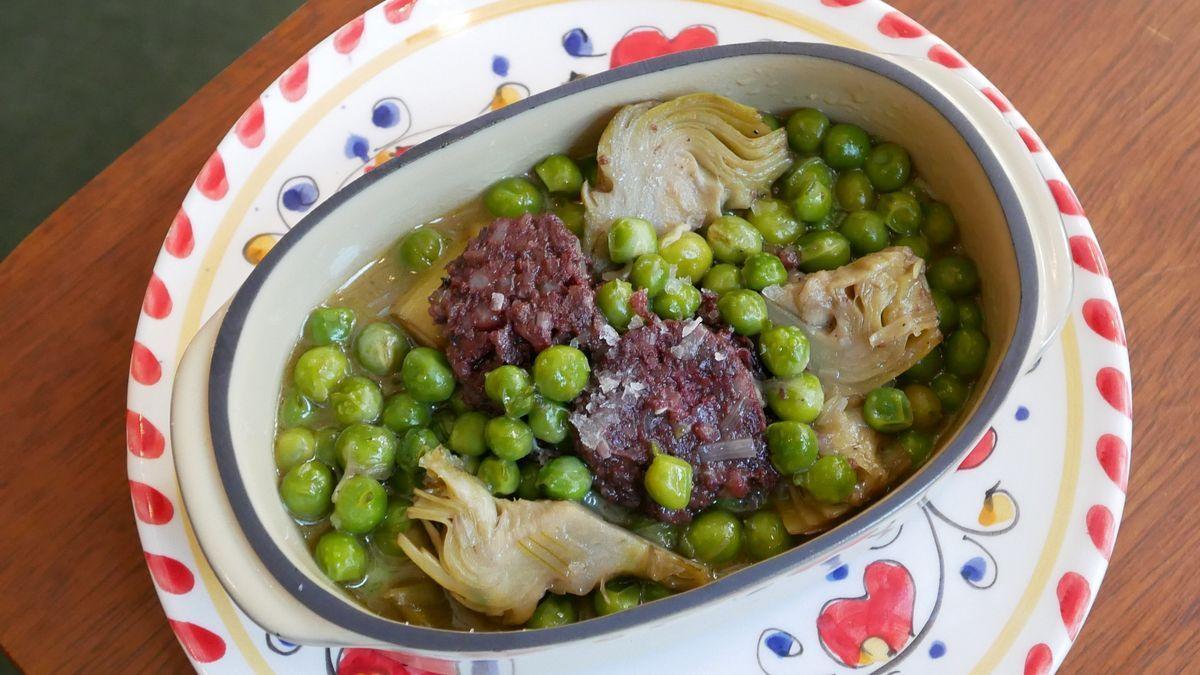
1055,273
225,546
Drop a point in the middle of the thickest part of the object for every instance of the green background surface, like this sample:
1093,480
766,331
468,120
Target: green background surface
82,80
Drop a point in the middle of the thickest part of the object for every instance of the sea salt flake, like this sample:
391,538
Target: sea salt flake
497,302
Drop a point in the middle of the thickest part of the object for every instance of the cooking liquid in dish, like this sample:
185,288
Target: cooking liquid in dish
733,532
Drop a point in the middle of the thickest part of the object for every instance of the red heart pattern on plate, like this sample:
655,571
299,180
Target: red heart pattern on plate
201,643
980,453
398,11
1039,660
1068,203
143,365
1102,529
157,303
1114,389
347,37
143,438
171,575
149,505
1073,595
251,128
896,25
1113,456
294,81
875,626
1101,316
211,181
179,241
1086,254
942,54
644,43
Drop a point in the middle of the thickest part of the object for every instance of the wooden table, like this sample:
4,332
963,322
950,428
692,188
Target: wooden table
1111,86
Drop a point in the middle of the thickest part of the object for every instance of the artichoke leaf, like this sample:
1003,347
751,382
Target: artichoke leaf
679,163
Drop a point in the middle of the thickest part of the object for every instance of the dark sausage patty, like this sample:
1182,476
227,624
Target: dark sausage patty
521,286
680,386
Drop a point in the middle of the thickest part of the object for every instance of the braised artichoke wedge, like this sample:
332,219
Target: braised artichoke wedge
678,163
500,556
867,321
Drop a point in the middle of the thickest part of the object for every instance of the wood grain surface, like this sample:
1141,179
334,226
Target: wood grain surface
1112,86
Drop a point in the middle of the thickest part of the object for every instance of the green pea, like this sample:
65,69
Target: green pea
341,556
722,278
854,191
969,313
402,412
329,325
887,409
380,347
714,537
356,399
888,166
510,388
823,251
770,120
792,446
831,479
845,146
565,479
651,272
427,376
652,590
814,202
774,221
966,352
613,300
784,350
617,595
295,409
367,449
457,403
552,611
762,270
927,368
679,300
901,212
916,243
571,214
326,447
512,197
765,535
865,231
795,181
560,373
657,532
501,476
630,237
560,174
306,491
590,169
926,407
732,239
954,275
690,255
394,525
421,248
939,227
806,128
668,481
319,370
467,434
294,447
528,488
798,399
413,446
508,438
830,223
744,310
916,189
917,446
359,504
950,391
549,421
947,311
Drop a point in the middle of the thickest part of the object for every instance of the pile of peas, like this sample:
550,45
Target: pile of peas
362,423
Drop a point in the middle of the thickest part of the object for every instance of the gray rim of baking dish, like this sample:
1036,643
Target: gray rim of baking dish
341,610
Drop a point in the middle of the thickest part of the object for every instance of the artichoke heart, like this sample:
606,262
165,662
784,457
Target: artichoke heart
866,322
678,163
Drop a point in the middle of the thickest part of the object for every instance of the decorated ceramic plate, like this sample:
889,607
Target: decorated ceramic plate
993,572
